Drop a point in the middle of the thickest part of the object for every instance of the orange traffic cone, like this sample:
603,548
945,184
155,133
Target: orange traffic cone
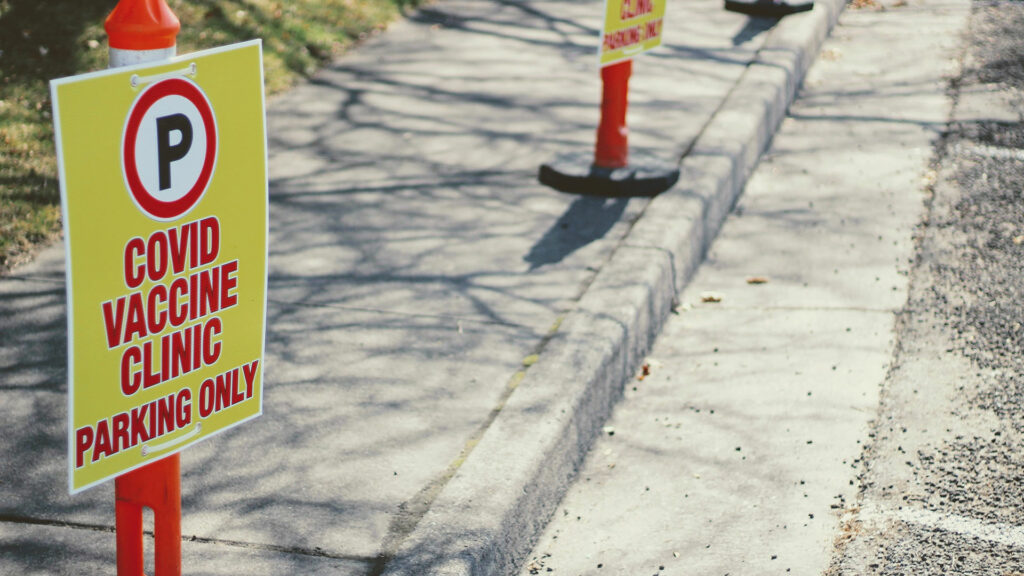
141,31
610,171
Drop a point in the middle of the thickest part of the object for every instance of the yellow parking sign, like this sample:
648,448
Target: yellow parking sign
164,191
631,27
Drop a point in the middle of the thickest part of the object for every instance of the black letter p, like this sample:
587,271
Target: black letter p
166,153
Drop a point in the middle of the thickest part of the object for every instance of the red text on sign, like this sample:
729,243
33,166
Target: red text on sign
174,354
177,249
188,298
628,10
216,394
129,429
164,415
632,35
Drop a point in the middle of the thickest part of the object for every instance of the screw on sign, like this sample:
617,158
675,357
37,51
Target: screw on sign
169,148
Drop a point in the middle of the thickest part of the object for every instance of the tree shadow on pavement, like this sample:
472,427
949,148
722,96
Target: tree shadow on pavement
403,200
587,219
753,28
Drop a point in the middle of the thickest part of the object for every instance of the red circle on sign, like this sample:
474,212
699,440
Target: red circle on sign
154,207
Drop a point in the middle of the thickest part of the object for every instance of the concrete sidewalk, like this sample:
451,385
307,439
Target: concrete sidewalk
744,449
445,335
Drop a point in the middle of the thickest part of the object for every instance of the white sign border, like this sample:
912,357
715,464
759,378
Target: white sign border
54,84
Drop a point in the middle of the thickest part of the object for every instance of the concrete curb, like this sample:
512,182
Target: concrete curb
487,518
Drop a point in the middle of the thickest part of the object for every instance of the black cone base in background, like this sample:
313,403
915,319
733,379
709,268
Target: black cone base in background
768,8
576,174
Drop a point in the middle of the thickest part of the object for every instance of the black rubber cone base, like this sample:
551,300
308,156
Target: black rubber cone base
575,174
768,8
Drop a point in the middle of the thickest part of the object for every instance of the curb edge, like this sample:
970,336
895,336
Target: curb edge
488,517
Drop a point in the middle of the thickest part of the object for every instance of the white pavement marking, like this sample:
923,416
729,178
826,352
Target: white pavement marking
995,152
999,533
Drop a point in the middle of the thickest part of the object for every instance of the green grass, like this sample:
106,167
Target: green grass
45,39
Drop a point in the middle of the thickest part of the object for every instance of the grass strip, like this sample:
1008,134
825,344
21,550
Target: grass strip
42,40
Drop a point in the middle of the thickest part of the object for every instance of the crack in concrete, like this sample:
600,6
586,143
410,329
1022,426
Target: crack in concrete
460,319
316,552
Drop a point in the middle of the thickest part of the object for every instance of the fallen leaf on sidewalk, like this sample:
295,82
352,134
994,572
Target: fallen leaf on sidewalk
711,297
831,54
645,371
757,280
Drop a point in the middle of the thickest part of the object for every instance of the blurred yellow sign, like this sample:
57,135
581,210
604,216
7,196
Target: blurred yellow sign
164,190
631,27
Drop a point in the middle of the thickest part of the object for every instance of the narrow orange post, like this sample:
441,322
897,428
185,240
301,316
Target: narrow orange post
141,31
156,486
612,150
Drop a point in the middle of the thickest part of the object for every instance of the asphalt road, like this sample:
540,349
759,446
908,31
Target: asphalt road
943,483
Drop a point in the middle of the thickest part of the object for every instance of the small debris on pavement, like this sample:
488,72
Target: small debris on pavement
757,280
675,306
710,297
831,54
645,371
